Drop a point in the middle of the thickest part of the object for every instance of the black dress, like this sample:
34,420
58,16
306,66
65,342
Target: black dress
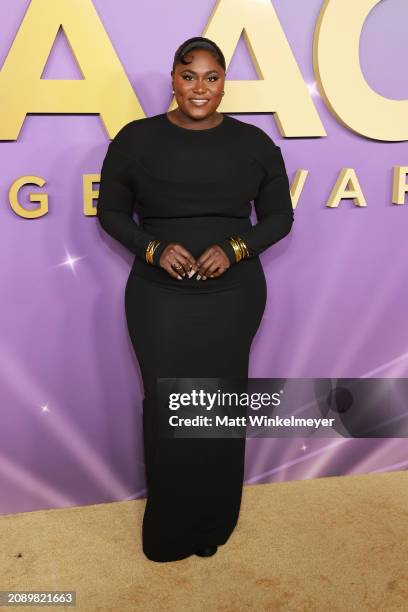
194,187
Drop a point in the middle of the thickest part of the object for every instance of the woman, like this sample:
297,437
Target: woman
196,292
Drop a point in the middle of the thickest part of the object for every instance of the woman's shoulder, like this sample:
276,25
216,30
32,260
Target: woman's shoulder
258,144
135,134
256,135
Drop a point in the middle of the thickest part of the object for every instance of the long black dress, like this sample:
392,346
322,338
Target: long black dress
194,187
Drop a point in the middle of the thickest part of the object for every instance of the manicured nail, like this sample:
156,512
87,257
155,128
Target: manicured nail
198,277
179,277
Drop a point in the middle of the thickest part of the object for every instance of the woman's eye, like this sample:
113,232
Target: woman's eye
187,77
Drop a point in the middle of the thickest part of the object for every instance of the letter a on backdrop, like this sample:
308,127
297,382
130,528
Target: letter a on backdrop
104,80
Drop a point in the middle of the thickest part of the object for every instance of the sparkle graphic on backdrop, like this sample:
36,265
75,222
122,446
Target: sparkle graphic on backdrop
313,90
70,261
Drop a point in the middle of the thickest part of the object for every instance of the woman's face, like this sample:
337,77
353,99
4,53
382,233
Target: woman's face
202,79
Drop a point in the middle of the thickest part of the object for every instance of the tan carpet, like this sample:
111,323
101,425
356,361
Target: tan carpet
329,544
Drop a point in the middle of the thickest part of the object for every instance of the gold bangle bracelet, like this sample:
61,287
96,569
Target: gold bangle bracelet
151,247
240,248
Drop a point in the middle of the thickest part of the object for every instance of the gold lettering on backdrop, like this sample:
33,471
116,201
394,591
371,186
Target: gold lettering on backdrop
298,183
42,198
104,89
399,184
90,193
346,186
340,78
280,87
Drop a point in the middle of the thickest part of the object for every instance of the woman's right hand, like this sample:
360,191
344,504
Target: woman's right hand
178,261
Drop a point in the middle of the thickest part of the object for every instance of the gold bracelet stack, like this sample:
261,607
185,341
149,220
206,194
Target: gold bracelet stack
239,246
151,247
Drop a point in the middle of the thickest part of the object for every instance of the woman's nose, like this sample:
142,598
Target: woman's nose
199,86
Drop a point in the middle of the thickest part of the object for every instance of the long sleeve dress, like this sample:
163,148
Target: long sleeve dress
194,187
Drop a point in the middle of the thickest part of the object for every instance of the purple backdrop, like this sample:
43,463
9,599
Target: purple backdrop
69,382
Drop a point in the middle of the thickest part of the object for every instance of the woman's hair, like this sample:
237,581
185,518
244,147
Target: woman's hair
198,42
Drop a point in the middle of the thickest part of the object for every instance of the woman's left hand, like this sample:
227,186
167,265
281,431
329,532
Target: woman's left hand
212,263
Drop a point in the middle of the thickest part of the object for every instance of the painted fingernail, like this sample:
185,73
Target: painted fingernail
198,277
179,277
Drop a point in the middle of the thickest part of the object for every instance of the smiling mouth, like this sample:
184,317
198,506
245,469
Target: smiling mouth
198,101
